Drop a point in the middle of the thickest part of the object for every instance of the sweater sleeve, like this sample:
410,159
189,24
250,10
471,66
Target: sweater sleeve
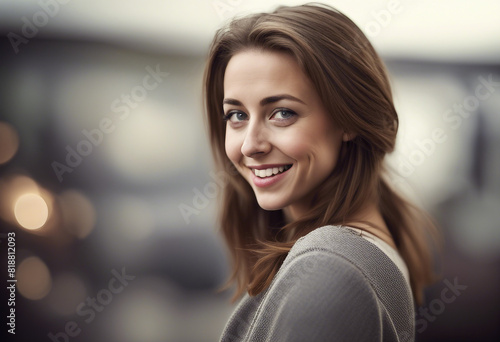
321,296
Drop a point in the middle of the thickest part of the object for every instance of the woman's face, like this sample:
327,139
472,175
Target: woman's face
279,135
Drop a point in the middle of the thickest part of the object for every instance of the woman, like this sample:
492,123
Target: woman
323,249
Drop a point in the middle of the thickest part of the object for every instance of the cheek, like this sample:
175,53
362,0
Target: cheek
327,151
294,141
296,149
318,146
306,143
233,146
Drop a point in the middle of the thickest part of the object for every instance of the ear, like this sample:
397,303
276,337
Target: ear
346,136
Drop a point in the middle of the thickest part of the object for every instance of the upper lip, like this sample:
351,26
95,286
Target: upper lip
266,166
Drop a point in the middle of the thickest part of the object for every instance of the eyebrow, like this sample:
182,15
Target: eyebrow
265,101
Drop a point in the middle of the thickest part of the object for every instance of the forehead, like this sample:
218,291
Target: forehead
261,72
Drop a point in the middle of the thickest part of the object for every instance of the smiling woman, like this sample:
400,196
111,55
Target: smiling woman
299,103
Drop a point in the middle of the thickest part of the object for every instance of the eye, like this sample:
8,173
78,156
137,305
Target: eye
235,117
285,115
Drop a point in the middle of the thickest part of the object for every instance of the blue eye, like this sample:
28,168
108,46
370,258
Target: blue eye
283,114
235,117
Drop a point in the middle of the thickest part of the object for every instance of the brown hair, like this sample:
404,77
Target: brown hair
351,80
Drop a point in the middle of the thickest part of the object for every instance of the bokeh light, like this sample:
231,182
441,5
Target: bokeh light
12,187
9,142
33,278
31,211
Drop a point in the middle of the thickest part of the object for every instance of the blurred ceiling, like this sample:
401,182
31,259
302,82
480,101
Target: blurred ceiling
445,30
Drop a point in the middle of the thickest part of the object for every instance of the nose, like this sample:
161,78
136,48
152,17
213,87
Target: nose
256,140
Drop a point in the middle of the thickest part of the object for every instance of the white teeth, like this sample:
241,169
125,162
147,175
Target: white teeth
270,171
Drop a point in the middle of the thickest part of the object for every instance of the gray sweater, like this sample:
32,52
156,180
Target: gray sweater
333,286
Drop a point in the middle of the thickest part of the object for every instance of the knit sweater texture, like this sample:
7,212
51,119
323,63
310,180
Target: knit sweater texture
333,286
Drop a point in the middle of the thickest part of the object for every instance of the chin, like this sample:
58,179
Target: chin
270,205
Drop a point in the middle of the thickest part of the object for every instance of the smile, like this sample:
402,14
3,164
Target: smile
272,171
267,175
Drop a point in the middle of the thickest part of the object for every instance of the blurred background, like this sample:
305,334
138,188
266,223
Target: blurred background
105,168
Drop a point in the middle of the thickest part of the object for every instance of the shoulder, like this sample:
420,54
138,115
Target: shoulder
333,249
319,294
328,238
330,256
332,283
343,243
332,261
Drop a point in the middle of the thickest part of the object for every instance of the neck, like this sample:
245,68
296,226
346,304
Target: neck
370,219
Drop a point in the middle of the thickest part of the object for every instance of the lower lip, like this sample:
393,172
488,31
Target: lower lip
268,181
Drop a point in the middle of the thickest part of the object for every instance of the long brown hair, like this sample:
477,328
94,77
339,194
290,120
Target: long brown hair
351,80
